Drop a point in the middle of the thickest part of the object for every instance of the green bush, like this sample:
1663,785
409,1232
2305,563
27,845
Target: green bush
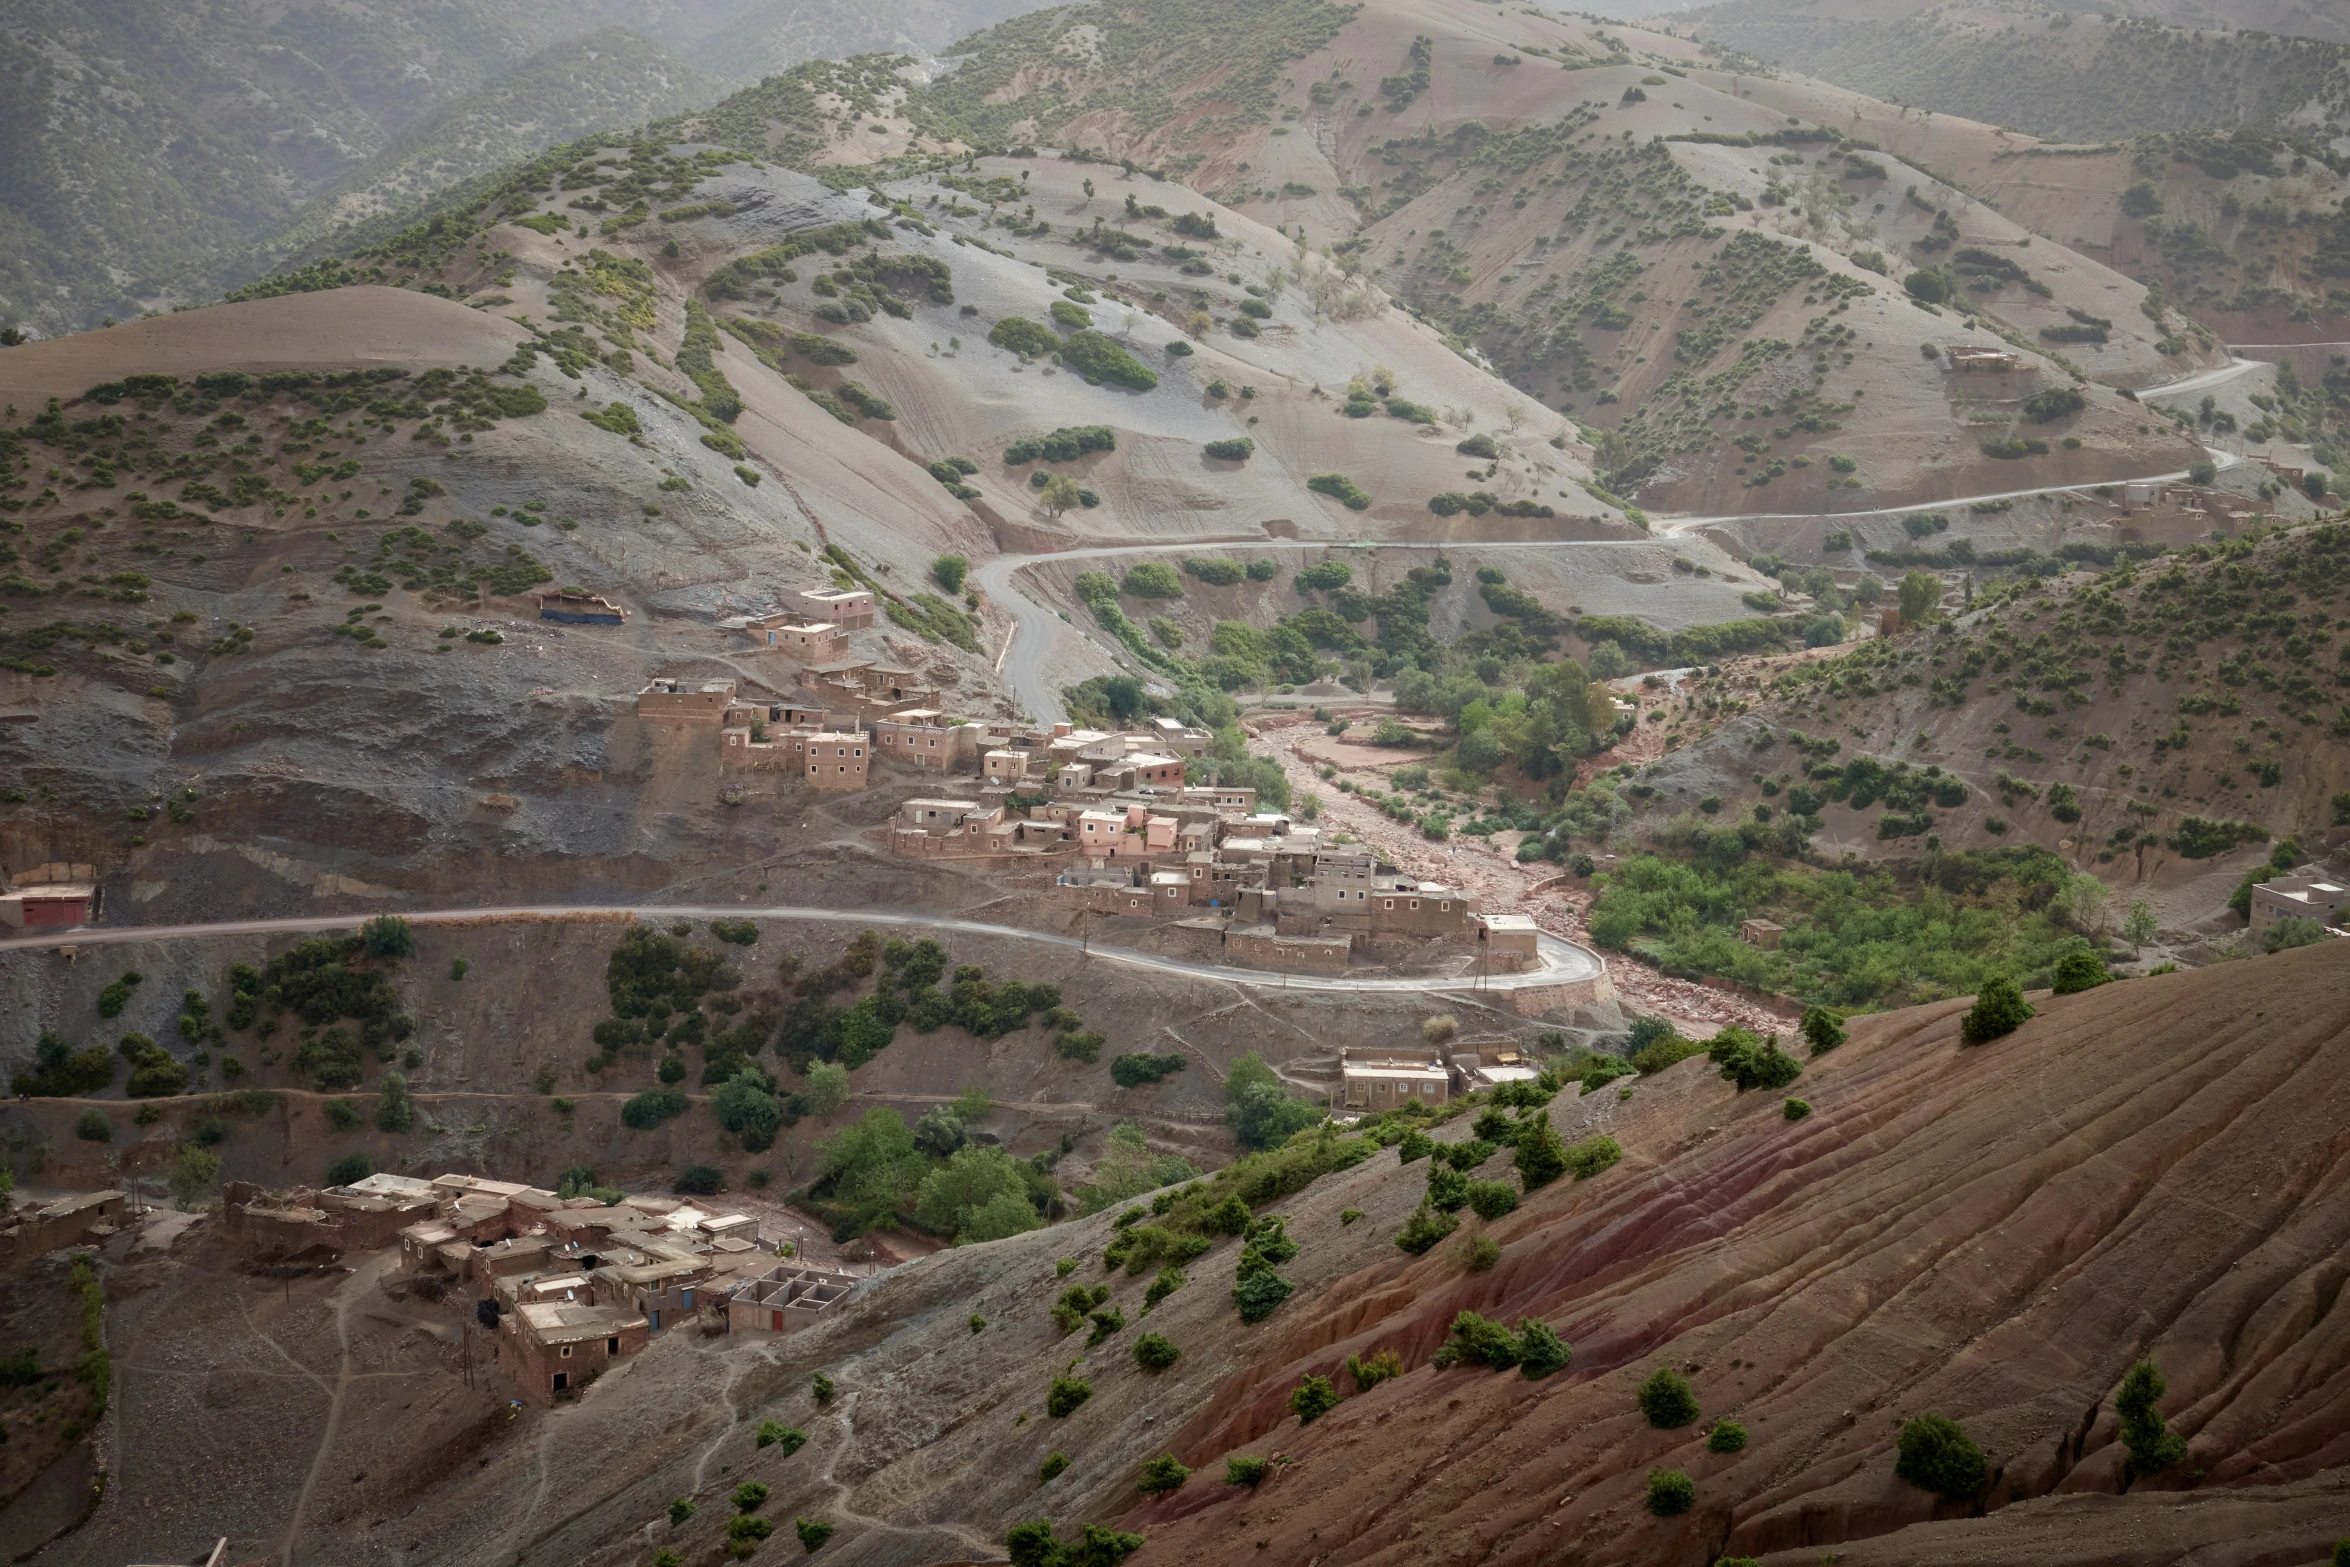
2000,1008
387,936
1259,1293
62,1072
738,933
1480,1253
2293,930
1542,1156
1935,1455
2152,1446
1152,579
1796,1109
1340,488
1155,1352
1491,1199
349,1168
1666,1399
117,993
1593,1155
1727,1436
749,1496
1749,1062
655,1105
94,1127
812,1533
155,1073
1023,336
1540,1350
774,1433
1051,1468
1236,449
1098,358
1161,1475
1476,1341
699,1180
1065,444
1312,1398
1670,1492
2080,970
1427,1225
820,1388
1066,1394
1244,1469
1823,1027
1372,1369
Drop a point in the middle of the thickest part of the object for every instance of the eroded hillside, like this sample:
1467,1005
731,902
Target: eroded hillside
1992,1233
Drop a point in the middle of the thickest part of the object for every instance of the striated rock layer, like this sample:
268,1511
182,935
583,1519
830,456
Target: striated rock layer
2155,1168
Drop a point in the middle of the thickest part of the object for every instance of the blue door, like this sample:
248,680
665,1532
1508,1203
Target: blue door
656,1317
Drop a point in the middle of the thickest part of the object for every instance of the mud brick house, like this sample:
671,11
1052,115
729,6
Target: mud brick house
849,608
667,701
553,1349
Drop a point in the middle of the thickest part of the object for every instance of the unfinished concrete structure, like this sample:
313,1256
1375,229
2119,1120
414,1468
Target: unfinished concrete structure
784,1299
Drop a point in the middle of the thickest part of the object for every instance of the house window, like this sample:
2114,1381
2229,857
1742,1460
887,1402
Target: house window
567,1352
1444,908
1390,902
1415,903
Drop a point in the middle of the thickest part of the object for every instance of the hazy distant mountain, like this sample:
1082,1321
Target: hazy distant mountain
151,147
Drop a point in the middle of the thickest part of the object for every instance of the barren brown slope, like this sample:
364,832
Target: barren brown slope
2153,1168
354,328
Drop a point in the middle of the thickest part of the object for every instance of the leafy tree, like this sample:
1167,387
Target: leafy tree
2151,1444
812,1533
1824,1028
349,1168
1060,492
388,936
1259,1108
2141,926
1312,1398
2291,931
193,1170
1665,1398
394,1110
749,1496
1935,1455
2000,1008
1920,592
1491,1199
828,1087
872,1165
948,571
773,1433
961,1197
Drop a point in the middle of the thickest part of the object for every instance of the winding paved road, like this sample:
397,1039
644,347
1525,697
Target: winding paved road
1562,961
1038,629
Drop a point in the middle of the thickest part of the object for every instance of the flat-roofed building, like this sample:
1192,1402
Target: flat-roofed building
678,701
1374,1079
849,607
2294,897
785,1299
838,760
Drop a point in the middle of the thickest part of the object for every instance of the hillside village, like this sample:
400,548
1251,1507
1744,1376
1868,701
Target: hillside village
1365,785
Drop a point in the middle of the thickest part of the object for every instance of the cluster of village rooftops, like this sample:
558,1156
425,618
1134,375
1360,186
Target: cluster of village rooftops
561,1287
1112,808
